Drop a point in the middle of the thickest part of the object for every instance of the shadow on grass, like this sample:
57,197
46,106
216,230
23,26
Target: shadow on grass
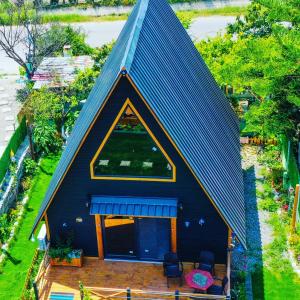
254,253
13,260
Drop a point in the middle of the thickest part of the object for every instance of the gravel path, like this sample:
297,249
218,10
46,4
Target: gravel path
259,232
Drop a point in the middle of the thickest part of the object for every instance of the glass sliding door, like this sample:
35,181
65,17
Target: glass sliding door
120,238
136,238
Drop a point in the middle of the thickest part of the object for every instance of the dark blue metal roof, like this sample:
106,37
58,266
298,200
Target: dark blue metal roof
134,206
166,68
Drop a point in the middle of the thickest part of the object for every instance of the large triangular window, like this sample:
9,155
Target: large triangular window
131,152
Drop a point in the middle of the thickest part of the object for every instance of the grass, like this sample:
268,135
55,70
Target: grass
76,18
276,279
21,252
190,14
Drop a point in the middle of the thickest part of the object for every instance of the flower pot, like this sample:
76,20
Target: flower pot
75,260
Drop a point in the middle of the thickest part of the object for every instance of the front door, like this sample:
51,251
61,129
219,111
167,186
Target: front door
136,238
153,238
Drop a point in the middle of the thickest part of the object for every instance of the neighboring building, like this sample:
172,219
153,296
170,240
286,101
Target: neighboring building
60,71
153,163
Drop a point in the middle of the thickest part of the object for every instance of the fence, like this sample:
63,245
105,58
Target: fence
129,294
257,141
39,281
13,145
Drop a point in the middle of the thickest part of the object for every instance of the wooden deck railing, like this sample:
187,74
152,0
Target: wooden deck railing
128,294
228,271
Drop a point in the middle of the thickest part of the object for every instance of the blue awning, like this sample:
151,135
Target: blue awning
134,206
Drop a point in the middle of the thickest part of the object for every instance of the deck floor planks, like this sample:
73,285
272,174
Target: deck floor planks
113,274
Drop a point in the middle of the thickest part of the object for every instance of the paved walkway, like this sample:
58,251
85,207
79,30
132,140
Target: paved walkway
9,108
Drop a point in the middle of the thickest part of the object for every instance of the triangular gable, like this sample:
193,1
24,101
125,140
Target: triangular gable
158,57
130,151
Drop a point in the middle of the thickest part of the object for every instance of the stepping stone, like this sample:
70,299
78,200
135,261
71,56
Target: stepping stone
10,128
3,102
6,109
103,162
125,163
9,118
3,96
147,164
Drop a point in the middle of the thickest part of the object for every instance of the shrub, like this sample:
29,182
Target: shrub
29,166
46,138
23,93
59,36
4,228
26,183
268,204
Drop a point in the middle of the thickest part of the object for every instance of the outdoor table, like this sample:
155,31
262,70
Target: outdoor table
199,280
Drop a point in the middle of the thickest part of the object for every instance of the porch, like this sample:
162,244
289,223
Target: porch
110,279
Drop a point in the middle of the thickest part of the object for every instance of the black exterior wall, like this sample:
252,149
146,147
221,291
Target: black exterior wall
77,187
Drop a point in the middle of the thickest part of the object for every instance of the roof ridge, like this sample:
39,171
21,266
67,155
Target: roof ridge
134,36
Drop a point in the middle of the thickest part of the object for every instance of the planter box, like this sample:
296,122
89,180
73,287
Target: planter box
74,262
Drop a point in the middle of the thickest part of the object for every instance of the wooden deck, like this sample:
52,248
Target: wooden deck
97,273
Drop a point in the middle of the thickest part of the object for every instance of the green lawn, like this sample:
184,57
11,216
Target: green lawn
277,279
73,18
190,14
22,251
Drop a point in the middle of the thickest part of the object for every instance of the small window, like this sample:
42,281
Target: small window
131,151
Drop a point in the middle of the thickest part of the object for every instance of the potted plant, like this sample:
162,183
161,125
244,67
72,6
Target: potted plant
62,253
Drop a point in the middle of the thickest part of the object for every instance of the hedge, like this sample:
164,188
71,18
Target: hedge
290,163
13,145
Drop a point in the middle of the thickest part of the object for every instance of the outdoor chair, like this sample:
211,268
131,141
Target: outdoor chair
218,289
173,271
170,259
206,261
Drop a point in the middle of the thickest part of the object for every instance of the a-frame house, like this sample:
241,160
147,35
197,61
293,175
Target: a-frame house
153,163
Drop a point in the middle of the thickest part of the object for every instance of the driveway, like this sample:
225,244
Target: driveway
9,108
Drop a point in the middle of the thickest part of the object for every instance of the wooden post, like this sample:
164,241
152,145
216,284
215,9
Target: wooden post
174,235
295,208
128,294
47,227
229,241
36,292
99,237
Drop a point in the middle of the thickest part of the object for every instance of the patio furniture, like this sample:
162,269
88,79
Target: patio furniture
61,296
218,289
170,259
173,271
199,280
206,261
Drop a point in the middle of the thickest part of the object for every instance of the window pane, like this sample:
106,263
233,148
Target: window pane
131,152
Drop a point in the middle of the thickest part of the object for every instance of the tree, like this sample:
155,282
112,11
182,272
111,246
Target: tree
22,30
20,27
260,53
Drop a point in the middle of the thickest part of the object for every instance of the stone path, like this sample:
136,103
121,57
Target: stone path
9,108
259,232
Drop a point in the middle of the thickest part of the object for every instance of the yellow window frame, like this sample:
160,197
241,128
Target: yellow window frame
128,103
